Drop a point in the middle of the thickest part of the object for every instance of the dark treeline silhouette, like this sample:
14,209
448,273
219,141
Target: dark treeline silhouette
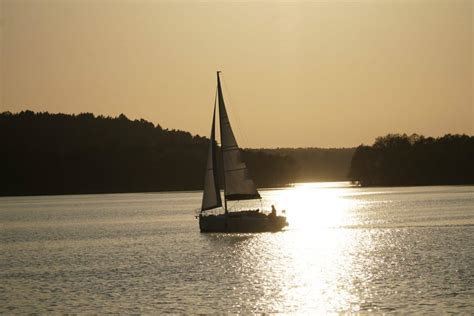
316,164
396,160
42,153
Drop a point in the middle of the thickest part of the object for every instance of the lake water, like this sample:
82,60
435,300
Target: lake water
346,249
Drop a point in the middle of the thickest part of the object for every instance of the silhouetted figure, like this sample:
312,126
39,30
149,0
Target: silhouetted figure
274,211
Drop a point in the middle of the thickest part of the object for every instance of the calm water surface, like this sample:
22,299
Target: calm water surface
346,249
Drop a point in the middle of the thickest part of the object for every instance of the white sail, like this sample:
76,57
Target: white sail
211,197
238,184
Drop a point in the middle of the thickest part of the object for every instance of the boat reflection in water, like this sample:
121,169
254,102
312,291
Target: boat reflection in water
347,249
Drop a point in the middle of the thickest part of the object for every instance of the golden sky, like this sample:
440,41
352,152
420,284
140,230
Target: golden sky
296,73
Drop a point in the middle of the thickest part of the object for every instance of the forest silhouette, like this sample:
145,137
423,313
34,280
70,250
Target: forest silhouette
43,153
402,160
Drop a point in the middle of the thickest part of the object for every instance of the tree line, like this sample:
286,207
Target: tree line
43,153
400,160
317,164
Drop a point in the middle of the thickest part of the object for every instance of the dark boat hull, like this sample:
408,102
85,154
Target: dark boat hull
241,222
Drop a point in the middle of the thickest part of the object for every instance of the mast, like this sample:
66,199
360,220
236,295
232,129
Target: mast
219,97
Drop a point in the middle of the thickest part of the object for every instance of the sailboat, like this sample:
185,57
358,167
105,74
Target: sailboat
238,185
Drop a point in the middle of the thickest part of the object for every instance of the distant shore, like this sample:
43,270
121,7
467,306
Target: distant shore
51,154
401,160
261,189
58,154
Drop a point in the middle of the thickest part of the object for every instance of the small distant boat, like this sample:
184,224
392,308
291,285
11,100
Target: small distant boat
237,184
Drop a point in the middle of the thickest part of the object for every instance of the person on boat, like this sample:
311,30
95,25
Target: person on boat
274,211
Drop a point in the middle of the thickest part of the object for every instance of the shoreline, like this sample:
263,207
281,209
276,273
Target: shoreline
263,188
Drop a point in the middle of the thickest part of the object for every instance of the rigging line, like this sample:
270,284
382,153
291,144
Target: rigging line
240,128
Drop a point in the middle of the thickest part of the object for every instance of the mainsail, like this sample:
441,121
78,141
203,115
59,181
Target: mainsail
212,197
238,184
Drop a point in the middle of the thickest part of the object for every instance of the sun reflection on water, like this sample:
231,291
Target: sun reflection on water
350,249
320,263
313,206
308,268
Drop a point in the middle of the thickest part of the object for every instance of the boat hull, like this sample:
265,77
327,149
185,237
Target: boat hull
241,222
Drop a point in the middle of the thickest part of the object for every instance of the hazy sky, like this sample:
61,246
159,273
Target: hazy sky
296,73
